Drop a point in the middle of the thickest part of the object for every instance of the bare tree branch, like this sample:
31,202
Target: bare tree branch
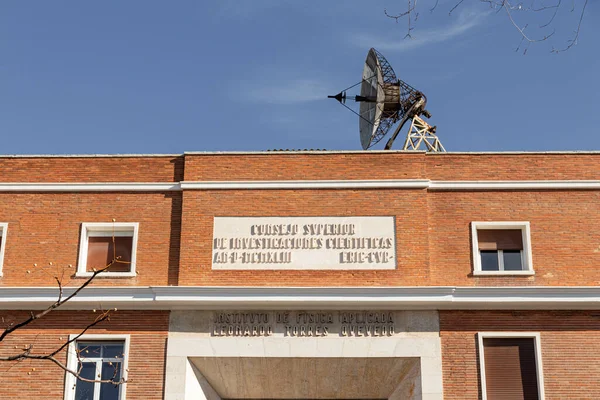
573,41
556,7
455,7
26,353
412,4
59,302
522,30
511,9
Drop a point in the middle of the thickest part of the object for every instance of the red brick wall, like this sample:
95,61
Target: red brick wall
565,238
433,227
407,205
33,379
448,166
572,334
392,165
91,169
565,246
45,227
323,166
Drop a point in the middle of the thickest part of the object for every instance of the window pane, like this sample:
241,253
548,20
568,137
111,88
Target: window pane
112,350
101,252
512,260
89,350
85,390
510,368
500,239
489,260
110,371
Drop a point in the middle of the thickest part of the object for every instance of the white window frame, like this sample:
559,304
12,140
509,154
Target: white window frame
526,258
106,229
4,230
72,360
510,335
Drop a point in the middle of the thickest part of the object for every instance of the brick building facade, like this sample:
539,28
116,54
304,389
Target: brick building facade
308,274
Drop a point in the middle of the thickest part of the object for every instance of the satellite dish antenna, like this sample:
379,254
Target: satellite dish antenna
384,100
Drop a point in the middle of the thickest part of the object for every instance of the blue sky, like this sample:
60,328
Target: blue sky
142,76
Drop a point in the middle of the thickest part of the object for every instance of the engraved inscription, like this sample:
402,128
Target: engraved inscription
303,243
304,323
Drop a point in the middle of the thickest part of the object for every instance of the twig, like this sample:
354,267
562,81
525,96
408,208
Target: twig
573,41
455,7
522,30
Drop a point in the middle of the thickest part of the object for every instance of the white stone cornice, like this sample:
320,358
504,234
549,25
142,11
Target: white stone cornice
299,184
193,297
396,184
515,185
309,184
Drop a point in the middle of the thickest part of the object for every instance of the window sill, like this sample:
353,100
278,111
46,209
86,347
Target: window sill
106,275
503,273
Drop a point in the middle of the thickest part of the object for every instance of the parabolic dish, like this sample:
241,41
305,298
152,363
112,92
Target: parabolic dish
377,76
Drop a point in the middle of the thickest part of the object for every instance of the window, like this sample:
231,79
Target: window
3,230
102,242
510,366
97,357
501,248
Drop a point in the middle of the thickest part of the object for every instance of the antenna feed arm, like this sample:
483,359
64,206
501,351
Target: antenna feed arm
426,113
341,97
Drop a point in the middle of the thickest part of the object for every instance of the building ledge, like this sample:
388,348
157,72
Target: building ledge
194,297
493,185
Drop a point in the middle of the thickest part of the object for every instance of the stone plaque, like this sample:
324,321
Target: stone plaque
330,243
